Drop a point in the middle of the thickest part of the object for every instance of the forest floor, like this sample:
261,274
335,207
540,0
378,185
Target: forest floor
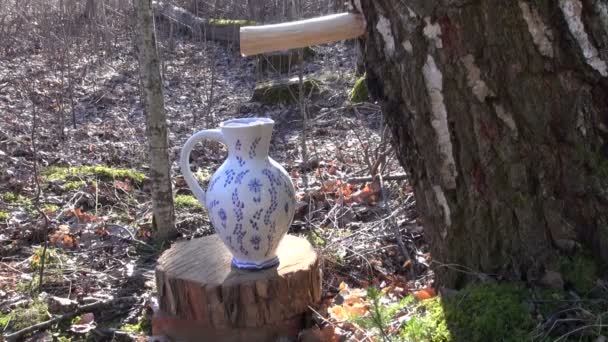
84,191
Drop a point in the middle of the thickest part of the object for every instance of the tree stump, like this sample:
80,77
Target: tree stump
284,91
283,61
203,297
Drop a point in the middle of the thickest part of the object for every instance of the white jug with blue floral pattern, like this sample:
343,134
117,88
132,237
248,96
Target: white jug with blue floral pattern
250,198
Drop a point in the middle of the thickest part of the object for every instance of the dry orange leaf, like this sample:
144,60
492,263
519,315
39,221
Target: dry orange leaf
68,241
343,286
337,312
353,305
348,311
346,190
387,289
84,217
62,237
426,293
123,185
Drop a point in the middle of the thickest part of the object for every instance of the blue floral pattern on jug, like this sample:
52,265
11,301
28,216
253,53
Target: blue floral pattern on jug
223,217
255,242
253,147
239,177
240,160
229,177
213,182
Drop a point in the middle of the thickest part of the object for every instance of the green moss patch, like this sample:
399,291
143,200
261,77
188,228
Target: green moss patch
74,185
315,239
480,312
359,93
143,326
52,260
203,175
101,172
186,202
284,92
580,272
489,312
18,200
4,216
428,323
24,317
50,208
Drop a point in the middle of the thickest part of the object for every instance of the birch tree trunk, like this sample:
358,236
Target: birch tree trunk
156,122
499,112
89,10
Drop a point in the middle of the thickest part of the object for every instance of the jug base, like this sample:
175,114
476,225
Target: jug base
255,266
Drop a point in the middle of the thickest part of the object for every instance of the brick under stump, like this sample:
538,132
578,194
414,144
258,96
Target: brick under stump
203,297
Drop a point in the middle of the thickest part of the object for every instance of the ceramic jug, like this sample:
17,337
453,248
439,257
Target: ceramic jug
250,198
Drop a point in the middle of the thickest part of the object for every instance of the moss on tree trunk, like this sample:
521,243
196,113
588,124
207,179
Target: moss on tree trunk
498,111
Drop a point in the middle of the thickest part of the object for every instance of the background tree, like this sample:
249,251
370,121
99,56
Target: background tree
156,122
498,111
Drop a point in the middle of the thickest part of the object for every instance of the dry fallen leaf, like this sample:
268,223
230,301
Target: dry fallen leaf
426,293
62,237
123,185
84,217
85,324
353,305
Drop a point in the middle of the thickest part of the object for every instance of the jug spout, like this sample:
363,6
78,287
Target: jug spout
247,138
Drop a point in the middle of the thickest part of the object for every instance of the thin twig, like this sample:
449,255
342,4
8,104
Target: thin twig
132,236
36,201
304,115
397,177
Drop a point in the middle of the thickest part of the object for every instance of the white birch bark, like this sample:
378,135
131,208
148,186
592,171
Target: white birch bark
156,122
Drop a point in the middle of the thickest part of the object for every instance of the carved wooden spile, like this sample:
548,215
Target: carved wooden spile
296,34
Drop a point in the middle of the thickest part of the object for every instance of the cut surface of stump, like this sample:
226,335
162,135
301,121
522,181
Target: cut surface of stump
204,296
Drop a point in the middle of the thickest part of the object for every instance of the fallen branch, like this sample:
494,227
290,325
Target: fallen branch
355,180
221,29
101,305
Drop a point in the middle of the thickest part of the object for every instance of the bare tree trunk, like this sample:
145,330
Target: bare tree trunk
89,10
156,122
498,111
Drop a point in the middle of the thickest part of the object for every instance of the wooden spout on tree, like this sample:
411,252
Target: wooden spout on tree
268,38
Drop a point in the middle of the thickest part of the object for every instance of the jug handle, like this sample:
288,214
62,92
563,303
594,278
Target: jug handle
184,162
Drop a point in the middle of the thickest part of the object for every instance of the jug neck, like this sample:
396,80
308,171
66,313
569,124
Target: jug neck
247,139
